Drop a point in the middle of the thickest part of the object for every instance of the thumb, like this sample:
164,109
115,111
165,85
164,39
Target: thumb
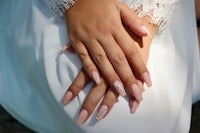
131,20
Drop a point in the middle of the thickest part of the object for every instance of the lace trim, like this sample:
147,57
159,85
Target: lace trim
58,7
160,12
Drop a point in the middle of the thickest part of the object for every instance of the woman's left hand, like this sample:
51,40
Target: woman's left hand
95,95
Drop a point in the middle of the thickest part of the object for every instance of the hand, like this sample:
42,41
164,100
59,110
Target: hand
96,33
95,95
103,89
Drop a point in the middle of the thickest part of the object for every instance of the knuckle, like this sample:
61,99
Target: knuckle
100,58
133,52
119,59
89,67
110,100
75,89
102,87
82,55
129,79
89,106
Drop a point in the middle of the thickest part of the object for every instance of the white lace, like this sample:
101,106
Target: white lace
159,11
58,7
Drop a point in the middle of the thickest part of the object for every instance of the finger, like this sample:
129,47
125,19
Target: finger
93,98
141,85
101,59
133,105
120,64
131,52
132,20
134,102
77,85
87,62
138,93
107,104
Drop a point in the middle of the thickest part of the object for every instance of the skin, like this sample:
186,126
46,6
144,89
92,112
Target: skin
96,28
103,89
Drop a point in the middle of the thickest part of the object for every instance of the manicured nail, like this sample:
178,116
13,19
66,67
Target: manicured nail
96,77
102,112
146,78
135,104
120,88
145,30
64,48
68,96
68,48
82,117
136,92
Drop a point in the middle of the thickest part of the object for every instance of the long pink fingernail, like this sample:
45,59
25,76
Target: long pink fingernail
135,104
68,96
103,110
82,117
146,78
120,88
64,48
145,30
68,48
96,77
136,92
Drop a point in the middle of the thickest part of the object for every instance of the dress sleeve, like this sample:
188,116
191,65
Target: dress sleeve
160,12
58,7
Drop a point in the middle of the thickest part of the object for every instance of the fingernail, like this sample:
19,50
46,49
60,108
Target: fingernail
68,96
120,88
103,110
146,78
68,48
144,29
96,77
135,104
64,48
136,92
82,117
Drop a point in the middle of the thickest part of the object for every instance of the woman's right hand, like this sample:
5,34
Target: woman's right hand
96,32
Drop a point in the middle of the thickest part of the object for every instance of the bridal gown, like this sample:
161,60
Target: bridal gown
34,75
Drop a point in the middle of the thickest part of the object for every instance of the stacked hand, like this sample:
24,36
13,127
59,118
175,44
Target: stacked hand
101,33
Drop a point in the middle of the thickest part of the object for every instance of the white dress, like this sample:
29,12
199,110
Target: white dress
34,75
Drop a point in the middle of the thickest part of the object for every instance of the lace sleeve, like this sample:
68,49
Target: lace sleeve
58,7
159,11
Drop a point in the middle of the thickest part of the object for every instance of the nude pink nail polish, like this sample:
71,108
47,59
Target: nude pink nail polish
146,78
145,30
102,112
64,48
82,117
136,92
134,106
120,88
68,96
68,48
96,77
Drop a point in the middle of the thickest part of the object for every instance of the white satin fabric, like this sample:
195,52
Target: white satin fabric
34,75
